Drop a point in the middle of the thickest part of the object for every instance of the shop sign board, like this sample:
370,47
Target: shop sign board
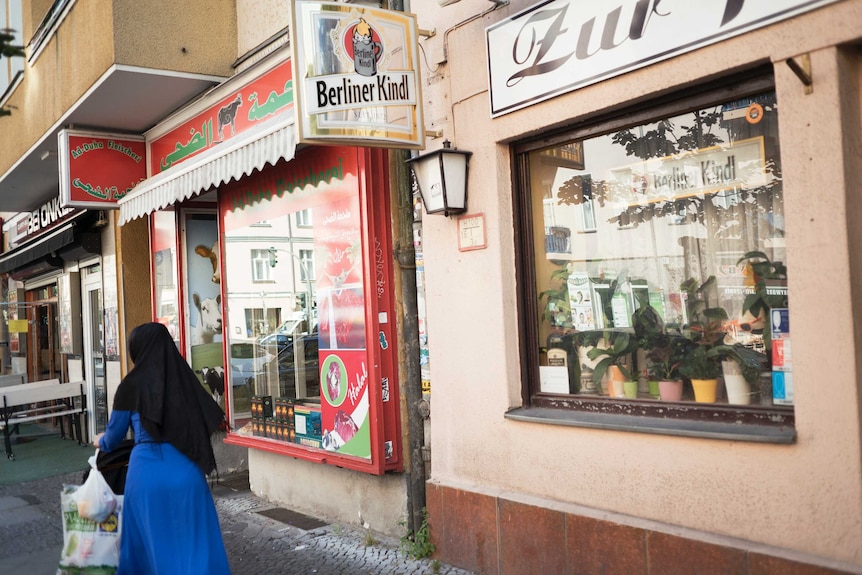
97,169
237,110
557,46
357,76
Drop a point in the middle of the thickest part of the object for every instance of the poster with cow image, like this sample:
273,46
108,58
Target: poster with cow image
204,305
341,314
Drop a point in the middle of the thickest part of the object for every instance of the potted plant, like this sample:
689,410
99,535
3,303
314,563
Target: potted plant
650,332
762,274
664,357
741,367
709,356
557,309
613,362
705,331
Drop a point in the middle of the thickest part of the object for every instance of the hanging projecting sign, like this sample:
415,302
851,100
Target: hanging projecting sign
558,46
357,72
97,169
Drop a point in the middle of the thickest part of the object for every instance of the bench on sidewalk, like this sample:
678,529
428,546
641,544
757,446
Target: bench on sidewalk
40,400
7,380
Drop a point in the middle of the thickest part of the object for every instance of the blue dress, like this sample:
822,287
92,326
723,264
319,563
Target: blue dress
169,521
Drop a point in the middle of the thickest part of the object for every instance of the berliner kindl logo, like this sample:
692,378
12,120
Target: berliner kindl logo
362,45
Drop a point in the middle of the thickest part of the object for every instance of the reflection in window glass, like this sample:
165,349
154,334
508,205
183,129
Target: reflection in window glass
261,268
167,297
303,218
681,276
306,268
271,323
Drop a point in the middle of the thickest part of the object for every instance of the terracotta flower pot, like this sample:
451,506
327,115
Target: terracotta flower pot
670,390
616,382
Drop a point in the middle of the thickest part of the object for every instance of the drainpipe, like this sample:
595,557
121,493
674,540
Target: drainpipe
405,258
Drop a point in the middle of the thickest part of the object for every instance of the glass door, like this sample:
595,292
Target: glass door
43,361
94,348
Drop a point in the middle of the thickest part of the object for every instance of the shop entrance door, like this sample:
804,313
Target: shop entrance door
94,348
43,361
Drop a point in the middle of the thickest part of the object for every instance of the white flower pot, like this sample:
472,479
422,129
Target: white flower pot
738,390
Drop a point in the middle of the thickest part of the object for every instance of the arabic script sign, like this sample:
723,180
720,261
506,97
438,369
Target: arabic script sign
258,100
357,76
97,169
558,46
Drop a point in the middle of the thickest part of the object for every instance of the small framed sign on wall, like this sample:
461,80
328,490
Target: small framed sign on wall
471,232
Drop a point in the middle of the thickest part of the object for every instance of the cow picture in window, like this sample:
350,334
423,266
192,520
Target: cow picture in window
209,320
213,379
211,253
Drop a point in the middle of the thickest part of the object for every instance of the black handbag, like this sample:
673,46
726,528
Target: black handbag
114,465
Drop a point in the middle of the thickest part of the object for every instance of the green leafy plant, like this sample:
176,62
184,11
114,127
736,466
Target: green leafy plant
620,344
706,334
704,330
557,309
665,355
418,544
764,272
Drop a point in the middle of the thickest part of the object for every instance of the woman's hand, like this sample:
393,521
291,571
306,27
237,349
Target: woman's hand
97,439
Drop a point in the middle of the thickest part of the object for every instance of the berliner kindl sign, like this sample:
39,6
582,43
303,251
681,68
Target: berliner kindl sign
357,70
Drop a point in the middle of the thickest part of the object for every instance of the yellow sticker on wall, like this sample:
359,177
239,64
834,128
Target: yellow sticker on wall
18,326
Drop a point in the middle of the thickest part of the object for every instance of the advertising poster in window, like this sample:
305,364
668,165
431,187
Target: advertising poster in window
204,297
341,304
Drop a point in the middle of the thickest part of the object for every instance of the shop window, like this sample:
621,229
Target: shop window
682,277
261,265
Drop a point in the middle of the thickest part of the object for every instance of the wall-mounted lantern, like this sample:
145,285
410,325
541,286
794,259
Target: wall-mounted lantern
442,179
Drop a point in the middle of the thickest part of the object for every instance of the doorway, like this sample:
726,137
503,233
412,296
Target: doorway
43,357
94,347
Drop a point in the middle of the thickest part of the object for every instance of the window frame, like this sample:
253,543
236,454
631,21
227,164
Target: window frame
265,265
687,418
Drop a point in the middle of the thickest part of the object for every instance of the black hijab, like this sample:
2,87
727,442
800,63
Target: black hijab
172,403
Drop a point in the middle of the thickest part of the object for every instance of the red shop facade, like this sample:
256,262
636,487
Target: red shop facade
270,264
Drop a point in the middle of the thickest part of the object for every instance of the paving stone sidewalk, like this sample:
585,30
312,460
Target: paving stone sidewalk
31,536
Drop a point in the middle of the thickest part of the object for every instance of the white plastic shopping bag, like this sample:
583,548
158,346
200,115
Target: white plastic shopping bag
95,499
89,547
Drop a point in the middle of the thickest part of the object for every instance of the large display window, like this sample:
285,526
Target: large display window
308,307
658,271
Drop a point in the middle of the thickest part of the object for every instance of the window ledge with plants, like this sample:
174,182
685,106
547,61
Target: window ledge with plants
673,317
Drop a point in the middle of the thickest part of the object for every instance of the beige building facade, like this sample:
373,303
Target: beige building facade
534,470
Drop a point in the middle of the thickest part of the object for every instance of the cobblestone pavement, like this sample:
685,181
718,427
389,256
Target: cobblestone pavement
31,537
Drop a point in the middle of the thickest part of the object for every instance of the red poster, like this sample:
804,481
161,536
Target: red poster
341,303
96,169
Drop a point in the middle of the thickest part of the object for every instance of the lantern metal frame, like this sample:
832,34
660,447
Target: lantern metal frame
433,166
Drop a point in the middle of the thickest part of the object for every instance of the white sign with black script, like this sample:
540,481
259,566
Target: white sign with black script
557,46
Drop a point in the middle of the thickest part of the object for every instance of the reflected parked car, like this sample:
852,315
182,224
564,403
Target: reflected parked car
246,359
284,367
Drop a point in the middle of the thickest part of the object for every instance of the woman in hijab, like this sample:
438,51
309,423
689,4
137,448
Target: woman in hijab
169,519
